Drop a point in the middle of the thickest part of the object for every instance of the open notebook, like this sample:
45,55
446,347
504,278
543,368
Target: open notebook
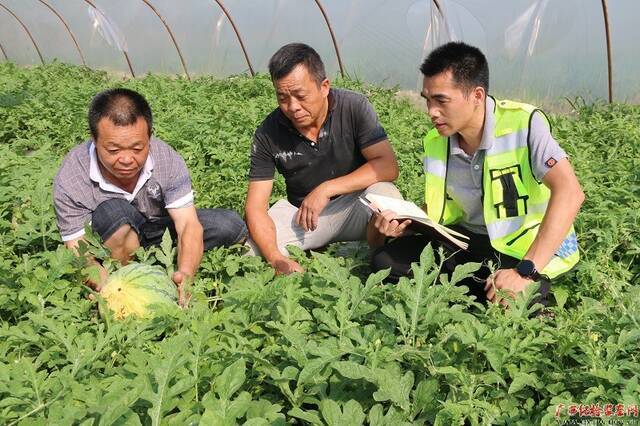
420,222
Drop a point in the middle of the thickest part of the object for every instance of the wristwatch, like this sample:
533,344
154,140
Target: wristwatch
527,269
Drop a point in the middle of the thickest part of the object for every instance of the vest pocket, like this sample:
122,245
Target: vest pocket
508,192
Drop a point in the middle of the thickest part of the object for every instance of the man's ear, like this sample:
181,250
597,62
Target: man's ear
325,86
479,95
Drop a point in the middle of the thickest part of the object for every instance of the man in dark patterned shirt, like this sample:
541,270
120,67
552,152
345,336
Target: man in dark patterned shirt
329,146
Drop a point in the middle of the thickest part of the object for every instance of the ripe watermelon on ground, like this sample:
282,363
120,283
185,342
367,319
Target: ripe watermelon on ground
140,290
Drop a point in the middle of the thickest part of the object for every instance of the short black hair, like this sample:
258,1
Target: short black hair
290,56
122,106
467,64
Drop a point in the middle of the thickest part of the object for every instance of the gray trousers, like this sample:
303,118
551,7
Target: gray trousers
343,219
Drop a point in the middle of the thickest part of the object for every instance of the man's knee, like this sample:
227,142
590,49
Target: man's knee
221,227
387,189
122,243
380,259
112,215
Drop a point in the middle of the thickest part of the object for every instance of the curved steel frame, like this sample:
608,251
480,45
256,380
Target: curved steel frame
73,37
605,14
26,30
126,56
235,30
437,5
6,58
173,39
333,37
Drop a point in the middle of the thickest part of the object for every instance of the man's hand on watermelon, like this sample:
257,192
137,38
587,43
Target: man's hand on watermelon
99,276
97,284
183,282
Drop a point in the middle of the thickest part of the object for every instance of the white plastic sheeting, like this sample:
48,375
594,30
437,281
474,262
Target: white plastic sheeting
540,50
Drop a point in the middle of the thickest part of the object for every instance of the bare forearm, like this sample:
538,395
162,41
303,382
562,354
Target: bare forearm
561,212
263,232
190,249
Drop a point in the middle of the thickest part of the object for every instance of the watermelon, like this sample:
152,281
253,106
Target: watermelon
140,290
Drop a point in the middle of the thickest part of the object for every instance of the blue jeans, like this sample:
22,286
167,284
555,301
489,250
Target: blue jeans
221,227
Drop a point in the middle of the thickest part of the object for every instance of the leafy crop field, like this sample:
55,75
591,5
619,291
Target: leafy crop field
334,346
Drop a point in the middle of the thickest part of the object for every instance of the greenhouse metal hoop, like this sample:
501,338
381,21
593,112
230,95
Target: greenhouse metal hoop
26,30
173,39
73,37
333,37
126,56
605,15
436,3
235,30
3,52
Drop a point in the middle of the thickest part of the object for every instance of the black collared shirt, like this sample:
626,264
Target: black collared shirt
351,125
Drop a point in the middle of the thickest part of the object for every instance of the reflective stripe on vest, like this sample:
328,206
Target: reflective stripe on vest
514,202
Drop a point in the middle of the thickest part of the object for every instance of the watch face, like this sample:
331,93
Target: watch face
526,268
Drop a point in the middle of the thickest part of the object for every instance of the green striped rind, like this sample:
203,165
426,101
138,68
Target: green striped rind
141,290
147,278
135,271
150,278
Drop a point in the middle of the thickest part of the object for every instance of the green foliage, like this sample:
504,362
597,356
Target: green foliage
332,346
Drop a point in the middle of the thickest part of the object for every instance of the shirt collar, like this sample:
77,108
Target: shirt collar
96,175
487,131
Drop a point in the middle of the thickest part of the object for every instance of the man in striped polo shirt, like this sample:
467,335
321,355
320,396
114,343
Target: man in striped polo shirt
131,186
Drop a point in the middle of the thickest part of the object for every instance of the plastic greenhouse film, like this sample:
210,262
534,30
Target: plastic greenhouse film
108,30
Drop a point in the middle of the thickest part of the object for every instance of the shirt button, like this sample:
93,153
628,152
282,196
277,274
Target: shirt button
476,167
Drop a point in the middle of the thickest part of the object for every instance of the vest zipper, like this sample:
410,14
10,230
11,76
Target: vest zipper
511,241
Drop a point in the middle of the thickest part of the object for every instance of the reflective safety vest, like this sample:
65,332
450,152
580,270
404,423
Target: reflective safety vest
513,200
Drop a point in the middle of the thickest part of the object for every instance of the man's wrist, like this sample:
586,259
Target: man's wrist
187,274
273,257
527,269
327,189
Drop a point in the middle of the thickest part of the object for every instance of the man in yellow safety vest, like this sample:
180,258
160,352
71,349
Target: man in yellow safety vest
493,172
